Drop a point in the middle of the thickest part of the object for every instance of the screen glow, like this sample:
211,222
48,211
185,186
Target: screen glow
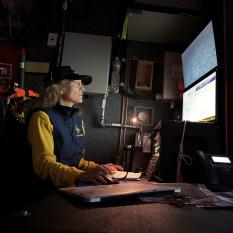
199,102
200,56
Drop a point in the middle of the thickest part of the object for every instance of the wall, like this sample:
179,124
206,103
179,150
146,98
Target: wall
153,99
102,143
90,55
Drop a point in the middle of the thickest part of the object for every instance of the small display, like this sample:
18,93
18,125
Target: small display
220,159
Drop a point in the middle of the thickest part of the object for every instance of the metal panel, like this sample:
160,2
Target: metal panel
162,28
183,4
89,54
172,75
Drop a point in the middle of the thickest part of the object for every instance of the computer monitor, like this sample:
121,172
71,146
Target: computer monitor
199,101
200,56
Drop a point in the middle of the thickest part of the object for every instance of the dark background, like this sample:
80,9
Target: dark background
104,17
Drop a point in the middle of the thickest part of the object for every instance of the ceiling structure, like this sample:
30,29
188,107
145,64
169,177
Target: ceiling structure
163,28
157,24
154,21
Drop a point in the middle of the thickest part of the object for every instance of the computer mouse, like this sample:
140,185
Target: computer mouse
110,179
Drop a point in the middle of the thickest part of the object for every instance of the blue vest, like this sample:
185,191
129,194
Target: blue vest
68,134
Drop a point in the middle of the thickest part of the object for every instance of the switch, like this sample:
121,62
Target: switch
52,39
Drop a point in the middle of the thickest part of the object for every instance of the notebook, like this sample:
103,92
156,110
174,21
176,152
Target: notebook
124,175
98,193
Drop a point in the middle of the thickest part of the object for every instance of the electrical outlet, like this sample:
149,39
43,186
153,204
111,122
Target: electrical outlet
52,39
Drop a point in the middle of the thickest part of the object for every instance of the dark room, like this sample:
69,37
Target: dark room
116,116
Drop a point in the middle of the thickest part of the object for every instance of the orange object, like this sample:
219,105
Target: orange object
32,93
19,92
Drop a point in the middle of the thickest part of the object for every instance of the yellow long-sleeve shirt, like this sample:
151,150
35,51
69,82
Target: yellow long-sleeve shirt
45,165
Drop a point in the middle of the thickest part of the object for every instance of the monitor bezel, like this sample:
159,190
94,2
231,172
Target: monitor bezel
216,91
216,52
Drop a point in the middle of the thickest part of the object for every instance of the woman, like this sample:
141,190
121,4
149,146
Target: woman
56,133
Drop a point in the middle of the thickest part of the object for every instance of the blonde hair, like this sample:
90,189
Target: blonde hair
51,95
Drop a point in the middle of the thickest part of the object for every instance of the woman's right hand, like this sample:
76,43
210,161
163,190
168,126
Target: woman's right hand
95,175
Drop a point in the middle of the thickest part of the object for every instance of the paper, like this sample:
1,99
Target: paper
194,194
124,175
223,199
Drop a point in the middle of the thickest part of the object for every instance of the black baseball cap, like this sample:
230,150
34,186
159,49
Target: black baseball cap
65,72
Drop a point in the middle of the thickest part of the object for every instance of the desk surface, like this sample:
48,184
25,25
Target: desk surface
58,214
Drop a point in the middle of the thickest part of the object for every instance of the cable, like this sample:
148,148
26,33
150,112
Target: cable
124,177
181,156
140,134
157,178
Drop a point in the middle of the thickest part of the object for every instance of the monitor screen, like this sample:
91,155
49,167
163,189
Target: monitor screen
199,102
200,56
